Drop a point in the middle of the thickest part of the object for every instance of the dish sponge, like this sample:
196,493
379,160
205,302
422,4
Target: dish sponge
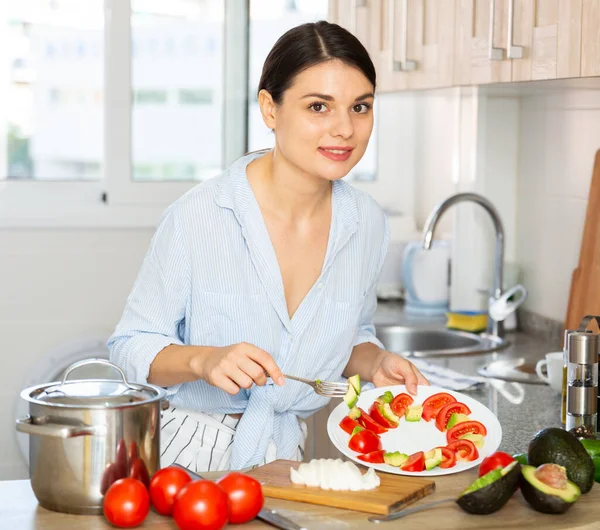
472,321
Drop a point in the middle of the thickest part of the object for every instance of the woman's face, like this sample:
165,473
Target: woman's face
323,124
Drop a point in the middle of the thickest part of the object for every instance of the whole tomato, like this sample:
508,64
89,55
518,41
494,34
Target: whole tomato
245,496
126,503
201,505
164,487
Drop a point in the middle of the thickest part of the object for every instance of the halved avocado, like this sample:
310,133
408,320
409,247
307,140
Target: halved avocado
557,446
489,493
545,498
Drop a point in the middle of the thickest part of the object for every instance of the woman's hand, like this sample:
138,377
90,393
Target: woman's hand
237,366
392,369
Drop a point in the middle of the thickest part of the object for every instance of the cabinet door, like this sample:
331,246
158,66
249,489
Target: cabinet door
480,52
547,37
362,18
590,38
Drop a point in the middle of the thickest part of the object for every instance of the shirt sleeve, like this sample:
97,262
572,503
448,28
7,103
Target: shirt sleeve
154,314
366,329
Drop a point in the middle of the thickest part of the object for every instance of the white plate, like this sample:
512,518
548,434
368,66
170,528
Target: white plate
419,436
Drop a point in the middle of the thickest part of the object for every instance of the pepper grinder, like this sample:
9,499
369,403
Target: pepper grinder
582,380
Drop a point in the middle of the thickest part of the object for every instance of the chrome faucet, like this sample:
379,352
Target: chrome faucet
494,327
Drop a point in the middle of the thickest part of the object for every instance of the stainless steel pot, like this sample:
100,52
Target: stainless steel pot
86,434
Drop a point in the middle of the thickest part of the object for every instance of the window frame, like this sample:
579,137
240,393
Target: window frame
117,200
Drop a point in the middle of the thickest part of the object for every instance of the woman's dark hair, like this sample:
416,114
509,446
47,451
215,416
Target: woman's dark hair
308,45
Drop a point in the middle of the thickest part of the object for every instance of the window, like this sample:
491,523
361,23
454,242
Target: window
177,78
52,69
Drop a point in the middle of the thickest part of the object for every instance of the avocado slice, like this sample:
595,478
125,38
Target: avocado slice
388,414
354,413
386,397
489,493
354,381
351,397
395,459
433,458
477,439
556,446
413,412
456,418
545,498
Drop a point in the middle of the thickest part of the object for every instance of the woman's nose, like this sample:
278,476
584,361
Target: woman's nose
343,126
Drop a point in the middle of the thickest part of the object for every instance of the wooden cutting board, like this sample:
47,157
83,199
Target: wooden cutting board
394,493
584,297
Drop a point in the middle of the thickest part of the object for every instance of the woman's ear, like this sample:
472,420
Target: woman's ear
267,108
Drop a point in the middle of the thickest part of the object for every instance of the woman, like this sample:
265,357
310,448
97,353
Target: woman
269,268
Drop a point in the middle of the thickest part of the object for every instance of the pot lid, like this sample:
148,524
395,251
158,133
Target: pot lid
93,393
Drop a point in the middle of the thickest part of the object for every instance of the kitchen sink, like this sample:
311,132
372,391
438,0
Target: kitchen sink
421,342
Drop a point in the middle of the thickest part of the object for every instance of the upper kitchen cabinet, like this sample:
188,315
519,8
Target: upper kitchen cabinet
411,42
590,38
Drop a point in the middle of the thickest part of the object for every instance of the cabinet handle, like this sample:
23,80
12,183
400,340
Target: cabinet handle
395,66
512,51
354,5
496,54
405,65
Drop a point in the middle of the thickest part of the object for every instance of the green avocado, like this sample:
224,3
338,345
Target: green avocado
545,498
489,493
556,446
351,397
456,418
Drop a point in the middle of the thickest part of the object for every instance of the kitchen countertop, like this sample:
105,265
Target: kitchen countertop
540,408
19,511
541,405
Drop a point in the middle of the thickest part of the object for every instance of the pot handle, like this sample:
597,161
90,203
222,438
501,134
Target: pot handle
164,405
58,430
85,362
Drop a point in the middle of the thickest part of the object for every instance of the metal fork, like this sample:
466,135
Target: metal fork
323,388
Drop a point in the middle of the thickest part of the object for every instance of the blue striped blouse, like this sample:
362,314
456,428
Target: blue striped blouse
211,278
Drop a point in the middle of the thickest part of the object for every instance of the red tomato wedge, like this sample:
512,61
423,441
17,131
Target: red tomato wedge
448,458
443,416
364,441
377,415
376,457
415,462
369,423
464,450
496,460
433,404
466,427
400,403
348,424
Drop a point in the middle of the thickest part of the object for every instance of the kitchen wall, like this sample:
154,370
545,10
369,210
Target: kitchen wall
56,286
559,136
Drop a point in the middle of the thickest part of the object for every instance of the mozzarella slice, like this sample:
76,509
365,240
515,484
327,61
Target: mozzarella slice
336,475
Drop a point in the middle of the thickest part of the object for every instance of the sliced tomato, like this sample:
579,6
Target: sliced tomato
443,416
415,462
375,457
448,458
433,404
364,441
376,413
369,423
348,424
400,403
465,427
464,450
496,460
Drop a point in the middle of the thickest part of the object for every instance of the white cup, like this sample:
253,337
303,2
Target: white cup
553,364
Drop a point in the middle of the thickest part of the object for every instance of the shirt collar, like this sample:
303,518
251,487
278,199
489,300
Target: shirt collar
235,193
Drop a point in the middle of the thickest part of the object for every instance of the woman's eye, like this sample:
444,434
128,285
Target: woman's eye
361,108
318,107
